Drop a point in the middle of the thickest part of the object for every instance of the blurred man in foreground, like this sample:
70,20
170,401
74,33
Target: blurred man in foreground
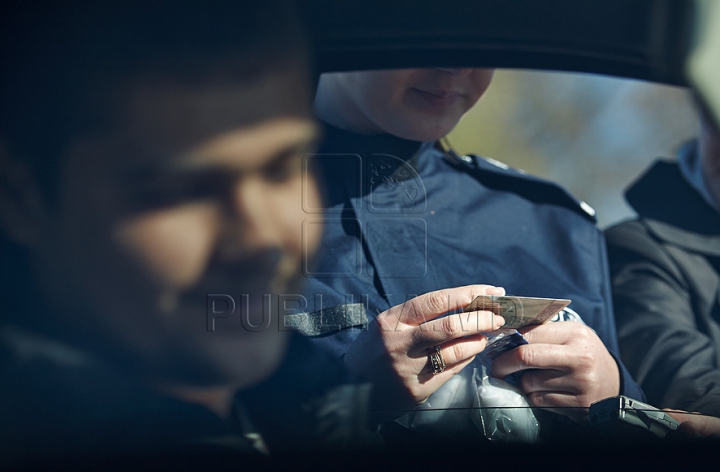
152,157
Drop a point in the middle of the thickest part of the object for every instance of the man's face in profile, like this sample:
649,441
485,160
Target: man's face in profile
197,190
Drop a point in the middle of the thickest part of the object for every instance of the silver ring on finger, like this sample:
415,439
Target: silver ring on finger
437,361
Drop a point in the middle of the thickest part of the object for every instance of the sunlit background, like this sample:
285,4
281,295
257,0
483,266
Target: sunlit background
593,134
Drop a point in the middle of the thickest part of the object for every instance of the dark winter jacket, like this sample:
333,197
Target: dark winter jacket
666,279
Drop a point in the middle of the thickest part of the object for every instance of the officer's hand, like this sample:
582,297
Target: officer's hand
569,367
695,425
393,352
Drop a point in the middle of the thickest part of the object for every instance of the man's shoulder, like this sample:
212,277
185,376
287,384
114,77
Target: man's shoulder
634,236
647,246
634,229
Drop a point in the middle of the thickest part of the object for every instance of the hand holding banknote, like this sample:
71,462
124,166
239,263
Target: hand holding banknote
397,349
519,312
565,365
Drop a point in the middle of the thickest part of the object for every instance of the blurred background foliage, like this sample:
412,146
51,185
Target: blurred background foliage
592,134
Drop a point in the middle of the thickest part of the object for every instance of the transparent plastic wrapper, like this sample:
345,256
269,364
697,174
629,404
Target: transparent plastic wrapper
453,408
446,411
501,411
501,341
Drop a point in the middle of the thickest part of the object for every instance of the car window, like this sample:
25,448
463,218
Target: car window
593,134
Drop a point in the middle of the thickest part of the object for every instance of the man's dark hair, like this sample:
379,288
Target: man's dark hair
61,60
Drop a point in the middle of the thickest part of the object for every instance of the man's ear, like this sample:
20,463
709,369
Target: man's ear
22,206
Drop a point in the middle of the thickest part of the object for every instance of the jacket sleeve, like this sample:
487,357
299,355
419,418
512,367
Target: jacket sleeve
609,335
660,341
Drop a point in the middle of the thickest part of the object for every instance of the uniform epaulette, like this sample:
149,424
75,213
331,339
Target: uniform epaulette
499,176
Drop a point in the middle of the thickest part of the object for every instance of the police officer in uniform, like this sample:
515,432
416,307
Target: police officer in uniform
406,218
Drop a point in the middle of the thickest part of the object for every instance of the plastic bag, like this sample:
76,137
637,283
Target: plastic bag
501,411
472,400
446,411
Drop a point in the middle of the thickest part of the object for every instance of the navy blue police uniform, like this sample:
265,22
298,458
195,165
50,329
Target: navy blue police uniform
403,218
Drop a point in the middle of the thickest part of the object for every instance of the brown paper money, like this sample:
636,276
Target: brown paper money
519,311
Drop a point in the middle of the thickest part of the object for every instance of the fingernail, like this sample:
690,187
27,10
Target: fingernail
497,291
499,321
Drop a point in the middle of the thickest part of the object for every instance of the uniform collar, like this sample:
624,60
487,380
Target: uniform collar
674,211
340,140
691,169
385,156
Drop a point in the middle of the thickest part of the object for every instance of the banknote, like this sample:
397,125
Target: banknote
519,311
